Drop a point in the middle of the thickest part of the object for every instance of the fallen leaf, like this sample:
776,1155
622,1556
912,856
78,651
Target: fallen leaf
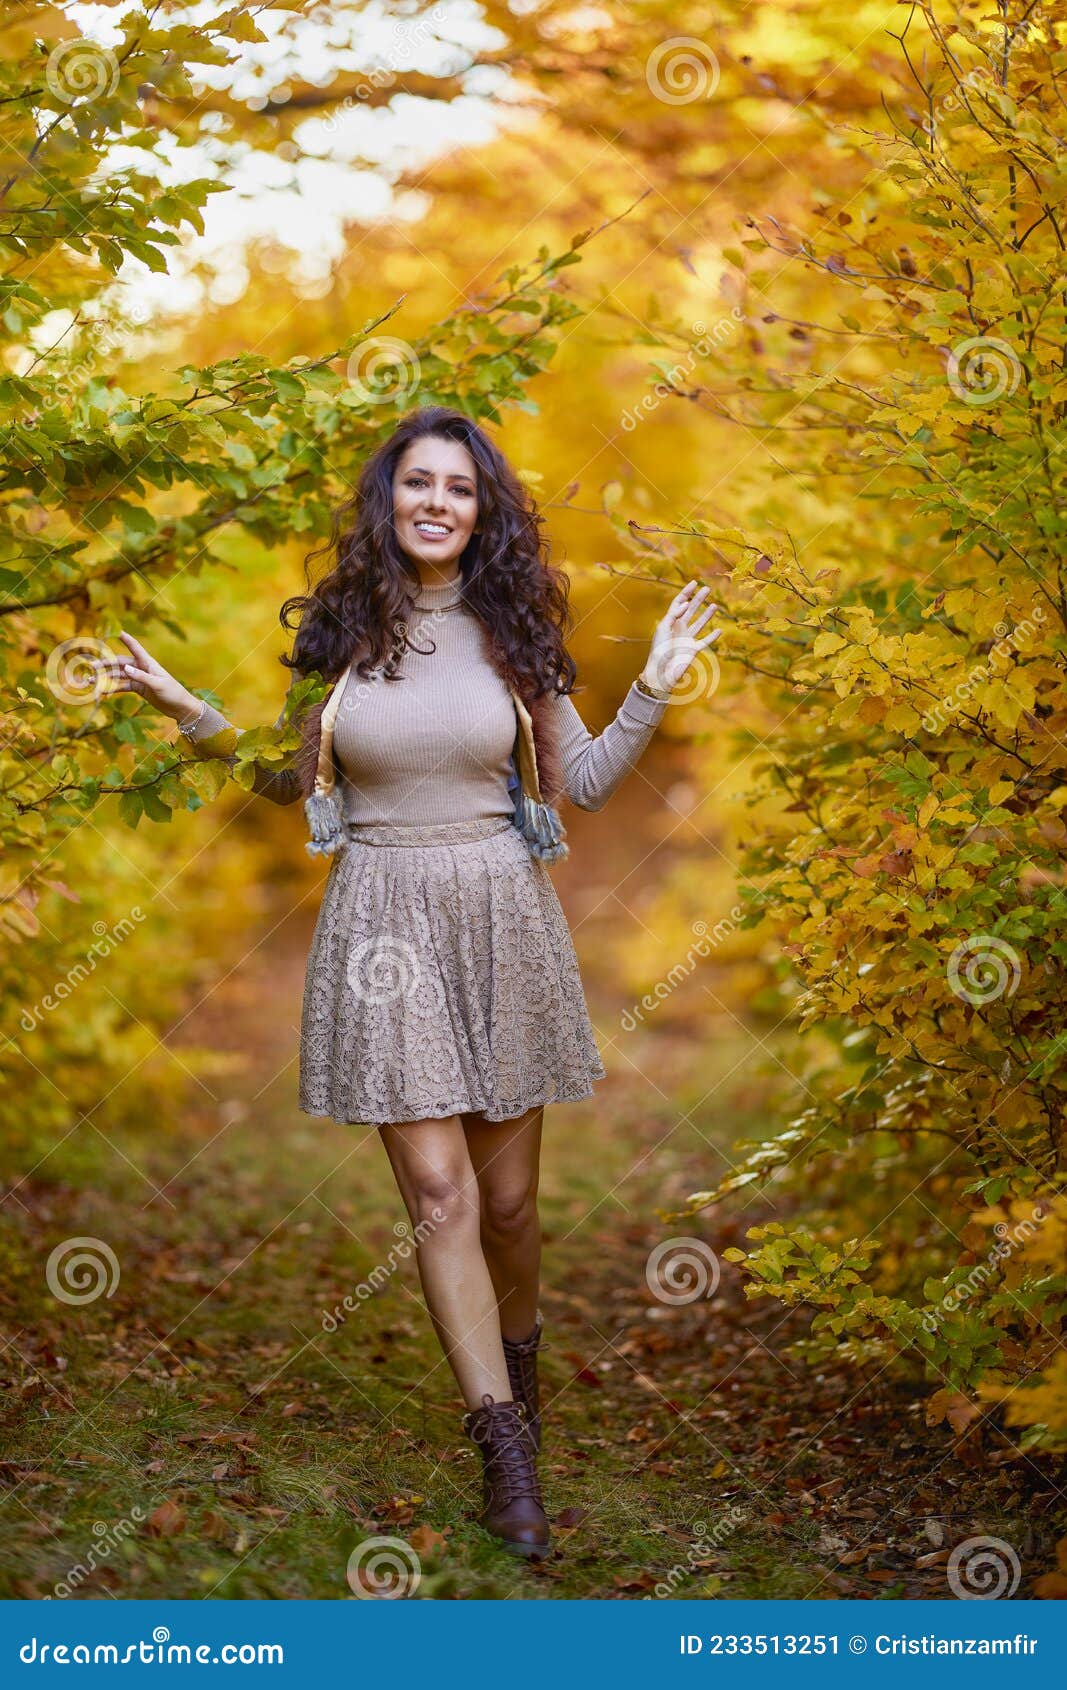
571,1517
167,1520
426,1542
952,1406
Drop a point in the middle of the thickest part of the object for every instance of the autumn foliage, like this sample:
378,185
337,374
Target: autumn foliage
889,347
124,487
905,362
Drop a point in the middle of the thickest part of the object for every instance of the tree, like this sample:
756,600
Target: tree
113,493
913,366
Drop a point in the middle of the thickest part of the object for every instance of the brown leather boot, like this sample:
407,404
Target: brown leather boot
512,1494
521,1357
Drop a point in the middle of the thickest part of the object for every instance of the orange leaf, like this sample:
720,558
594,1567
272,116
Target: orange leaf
954,1407
167,1521
426,1542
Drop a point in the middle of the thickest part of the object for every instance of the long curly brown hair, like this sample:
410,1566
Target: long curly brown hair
359,611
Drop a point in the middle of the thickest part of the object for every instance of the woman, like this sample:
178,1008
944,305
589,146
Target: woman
442,1000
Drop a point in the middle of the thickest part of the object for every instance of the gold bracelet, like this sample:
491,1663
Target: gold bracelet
650,692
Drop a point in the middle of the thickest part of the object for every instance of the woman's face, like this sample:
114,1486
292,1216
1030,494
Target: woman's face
435,501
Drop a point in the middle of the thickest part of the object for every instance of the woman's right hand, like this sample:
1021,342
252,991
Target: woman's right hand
148,678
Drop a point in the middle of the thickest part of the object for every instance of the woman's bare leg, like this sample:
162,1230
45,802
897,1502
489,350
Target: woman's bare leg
506,1157
433,1170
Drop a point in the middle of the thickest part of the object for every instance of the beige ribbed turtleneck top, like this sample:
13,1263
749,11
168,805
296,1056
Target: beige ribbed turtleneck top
435,746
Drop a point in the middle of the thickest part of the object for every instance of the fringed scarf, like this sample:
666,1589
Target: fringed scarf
535,781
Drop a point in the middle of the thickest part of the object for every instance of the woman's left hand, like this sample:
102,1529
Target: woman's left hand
675,642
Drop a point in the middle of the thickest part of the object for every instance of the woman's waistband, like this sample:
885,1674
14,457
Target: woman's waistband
426,833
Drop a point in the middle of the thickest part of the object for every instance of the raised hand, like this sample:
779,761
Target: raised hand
675,642
148,678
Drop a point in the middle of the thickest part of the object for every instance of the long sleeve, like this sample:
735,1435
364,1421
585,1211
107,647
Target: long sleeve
214,736
594,765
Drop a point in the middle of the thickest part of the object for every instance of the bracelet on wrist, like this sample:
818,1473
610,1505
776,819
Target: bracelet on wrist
650,691
189,723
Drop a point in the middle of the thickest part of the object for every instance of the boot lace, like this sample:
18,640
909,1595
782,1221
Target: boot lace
507,1450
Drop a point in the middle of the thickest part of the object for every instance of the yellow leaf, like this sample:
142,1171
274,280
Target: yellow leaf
903,719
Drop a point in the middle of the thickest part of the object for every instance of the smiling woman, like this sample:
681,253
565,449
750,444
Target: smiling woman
443,1002
435,502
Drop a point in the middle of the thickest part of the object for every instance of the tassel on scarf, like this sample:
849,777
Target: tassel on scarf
542,829
326,825
538,823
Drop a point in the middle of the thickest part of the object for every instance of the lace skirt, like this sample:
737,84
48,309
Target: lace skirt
442,978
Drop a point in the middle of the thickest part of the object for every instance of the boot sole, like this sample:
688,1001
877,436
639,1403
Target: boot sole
527,1551
511,1546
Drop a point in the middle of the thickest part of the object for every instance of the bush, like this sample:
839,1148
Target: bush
909,364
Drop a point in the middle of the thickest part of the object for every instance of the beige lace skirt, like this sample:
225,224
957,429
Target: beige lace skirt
442,978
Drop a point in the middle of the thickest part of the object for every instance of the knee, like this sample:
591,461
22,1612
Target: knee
441,1196
507,1212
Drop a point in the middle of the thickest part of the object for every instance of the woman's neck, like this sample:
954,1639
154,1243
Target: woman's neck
436,591
431,578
